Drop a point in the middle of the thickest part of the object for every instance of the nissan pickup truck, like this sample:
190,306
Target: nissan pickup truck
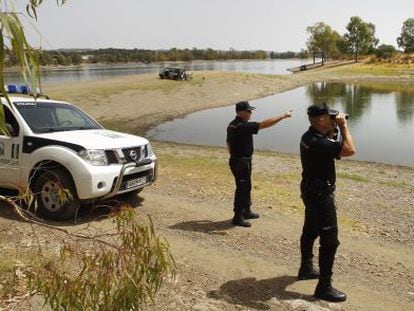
52,146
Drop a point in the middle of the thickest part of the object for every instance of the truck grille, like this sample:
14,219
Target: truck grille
130,155
135,154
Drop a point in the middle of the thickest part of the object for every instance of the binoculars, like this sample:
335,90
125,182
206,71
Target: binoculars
346,116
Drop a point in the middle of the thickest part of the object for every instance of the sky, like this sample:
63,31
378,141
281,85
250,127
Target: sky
270,25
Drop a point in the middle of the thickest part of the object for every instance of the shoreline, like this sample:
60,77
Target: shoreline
282,154
138,103
98,66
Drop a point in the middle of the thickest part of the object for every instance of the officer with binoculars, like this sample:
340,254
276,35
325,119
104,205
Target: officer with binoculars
319,147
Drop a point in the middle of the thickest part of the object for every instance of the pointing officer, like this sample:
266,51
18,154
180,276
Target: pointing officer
318,151
240,133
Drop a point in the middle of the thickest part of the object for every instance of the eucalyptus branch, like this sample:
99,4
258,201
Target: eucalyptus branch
24,213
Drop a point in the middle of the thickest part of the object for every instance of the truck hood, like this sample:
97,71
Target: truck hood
96,139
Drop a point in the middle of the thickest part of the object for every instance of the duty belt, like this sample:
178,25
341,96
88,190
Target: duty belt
317,186
241,158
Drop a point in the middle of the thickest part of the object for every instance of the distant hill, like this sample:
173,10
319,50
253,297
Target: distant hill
72,50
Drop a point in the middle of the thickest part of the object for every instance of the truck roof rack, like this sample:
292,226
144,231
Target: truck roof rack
38,95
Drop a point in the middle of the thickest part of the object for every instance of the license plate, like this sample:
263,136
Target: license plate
136,182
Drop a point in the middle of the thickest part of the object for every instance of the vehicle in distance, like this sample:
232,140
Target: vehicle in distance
174,73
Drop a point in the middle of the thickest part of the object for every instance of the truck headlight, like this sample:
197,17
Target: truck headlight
94,156
150,152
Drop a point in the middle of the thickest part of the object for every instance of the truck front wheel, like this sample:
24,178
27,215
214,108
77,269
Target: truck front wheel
56,195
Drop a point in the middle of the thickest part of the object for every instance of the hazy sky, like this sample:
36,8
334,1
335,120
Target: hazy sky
271,25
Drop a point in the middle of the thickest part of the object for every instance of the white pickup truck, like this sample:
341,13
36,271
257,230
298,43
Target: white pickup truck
53,145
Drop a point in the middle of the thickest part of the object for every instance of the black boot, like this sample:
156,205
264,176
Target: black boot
248,214
251,215
240,221
307,271
325,291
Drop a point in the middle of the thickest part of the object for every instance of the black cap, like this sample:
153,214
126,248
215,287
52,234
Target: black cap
321,109
244,106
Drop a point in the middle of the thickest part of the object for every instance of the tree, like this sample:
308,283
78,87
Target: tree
62,60
322,41
360,37
303,54
13,40
342,46
77,59
335,48
385,51
313,49
406,39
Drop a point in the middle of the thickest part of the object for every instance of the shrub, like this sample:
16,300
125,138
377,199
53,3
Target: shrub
385,51
121,275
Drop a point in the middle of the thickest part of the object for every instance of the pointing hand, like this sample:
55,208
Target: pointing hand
288,114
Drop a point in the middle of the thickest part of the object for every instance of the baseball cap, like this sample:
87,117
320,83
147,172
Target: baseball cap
321,109
244,106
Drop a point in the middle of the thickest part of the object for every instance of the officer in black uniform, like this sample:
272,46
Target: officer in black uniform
318,150
240,146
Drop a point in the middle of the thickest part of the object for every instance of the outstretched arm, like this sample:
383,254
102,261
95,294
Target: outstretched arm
272,121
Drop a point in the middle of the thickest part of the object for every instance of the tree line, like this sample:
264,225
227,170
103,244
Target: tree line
323,43
359,39
113,55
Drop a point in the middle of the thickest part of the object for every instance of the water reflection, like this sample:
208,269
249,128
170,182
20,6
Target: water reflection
405,103
381,120
352,98
356,99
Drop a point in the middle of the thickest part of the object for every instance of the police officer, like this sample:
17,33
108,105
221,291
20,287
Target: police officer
240,146
318,150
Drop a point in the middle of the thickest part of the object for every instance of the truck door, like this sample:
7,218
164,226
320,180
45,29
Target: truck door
10,149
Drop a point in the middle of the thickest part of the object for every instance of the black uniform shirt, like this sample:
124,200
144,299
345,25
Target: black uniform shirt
240,137
318,153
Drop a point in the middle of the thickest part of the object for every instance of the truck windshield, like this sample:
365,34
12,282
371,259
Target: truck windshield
43,117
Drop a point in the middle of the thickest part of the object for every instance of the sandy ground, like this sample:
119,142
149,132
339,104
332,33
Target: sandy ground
220,267
140,102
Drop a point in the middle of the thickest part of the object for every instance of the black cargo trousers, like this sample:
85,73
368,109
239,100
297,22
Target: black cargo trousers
241,167
320,220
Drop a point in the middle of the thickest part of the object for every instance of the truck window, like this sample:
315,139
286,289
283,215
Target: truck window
53,117
11,123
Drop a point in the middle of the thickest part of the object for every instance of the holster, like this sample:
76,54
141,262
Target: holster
316,189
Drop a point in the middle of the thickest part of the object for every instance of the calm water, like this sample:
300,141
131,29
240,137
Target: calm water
98,72
381,122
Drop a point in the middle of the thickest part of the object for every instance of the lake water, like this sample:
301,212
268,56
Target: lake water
99,72
381,121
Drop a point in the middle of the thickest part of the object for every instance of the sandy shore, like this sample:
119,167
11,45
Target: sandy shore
136,103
